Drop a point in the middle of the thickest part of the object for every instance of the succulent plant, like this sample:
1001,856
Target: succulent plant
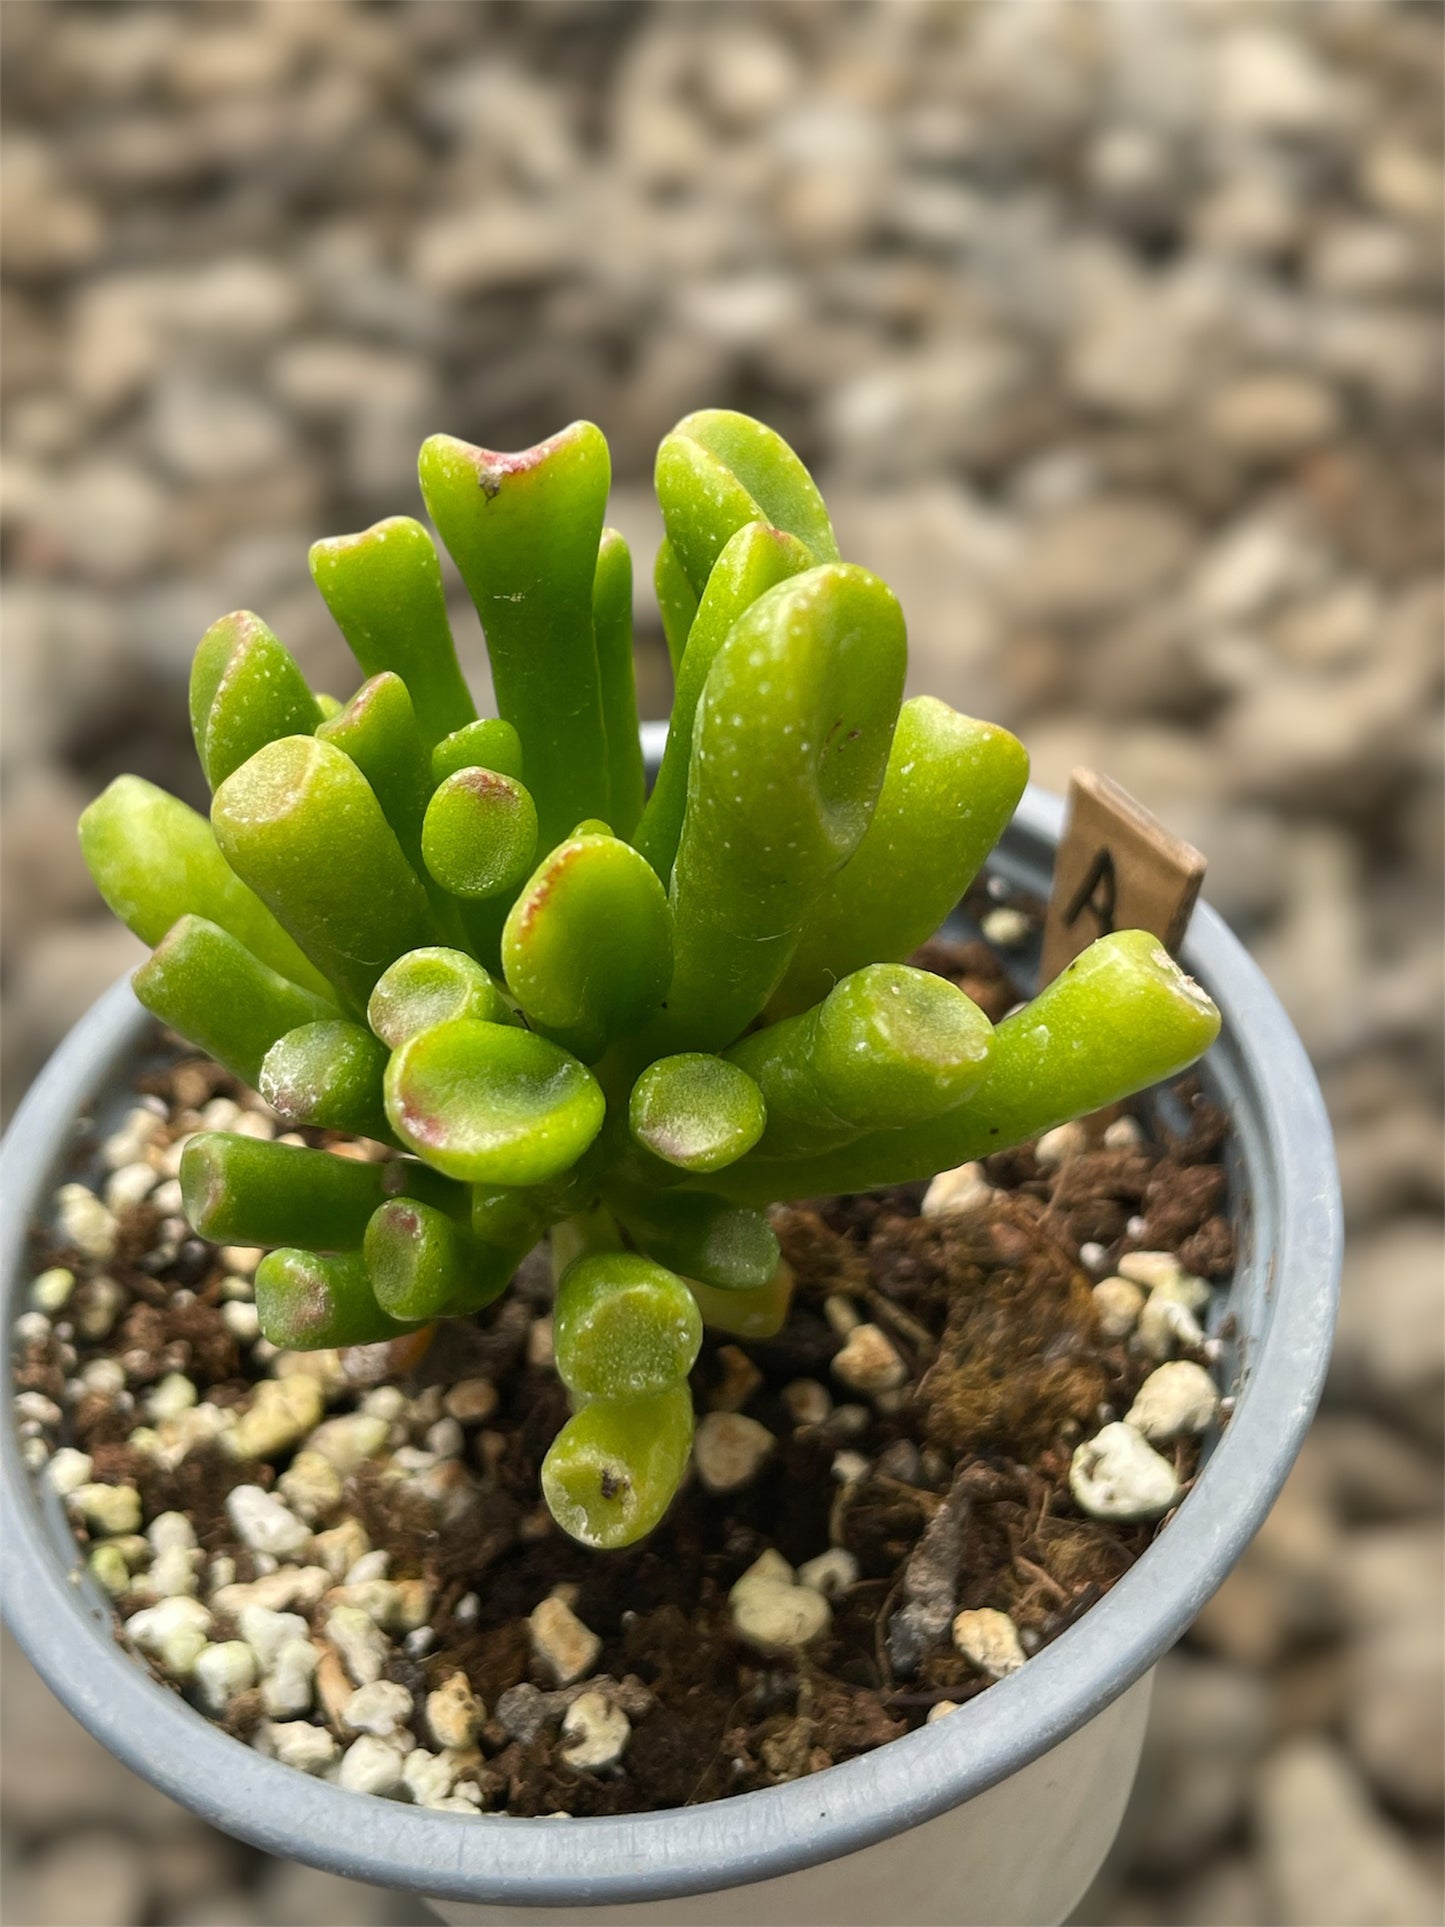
630,1024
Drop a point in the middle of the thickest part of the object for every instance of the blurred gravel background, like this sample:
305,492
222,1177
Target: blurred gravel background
1114,332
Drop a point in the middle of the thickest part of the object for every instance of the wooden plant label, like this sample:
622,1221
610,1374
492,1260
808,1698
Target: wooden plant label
1117,868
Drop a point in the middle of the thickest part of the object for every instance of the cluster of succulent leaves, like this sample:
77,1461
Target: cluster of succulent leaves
630,1022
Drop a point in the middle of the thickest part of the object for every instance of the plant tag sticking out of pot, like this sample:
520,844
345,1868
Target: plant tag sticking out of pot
1117,868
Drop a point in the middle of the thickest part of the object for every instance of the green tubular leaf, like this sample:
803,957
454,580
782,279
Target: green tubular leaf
755,560
524,531
488,744
789,748
718,470
246,1191
624,1327
301,824
154,860
328,1074
696,1112
245,691
491,1104
210,988
378,730
888,1046
480,834
508,1219
1121,1017
429,987
675,600
384,590
310,1303
587,947
613,1469
328,705
759,1313
612,627
951,786
423,1265
699,1235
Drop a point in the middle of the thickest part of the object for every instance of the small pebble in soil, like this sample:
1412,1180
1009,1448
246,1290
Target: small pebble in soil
831,1573
370,1765
989,1641
940,1710
595,1733
1056,1147
222,1671
310,1749
85,1222
869,1362
808,1401
1118,1475
1150,1268
772,1612
1117,1305
280,1415
963,1189
363,1646
471,1401
730,1450
261,1521
561,1644
51,1291
174,1633
454,1713
1178,1400
107,1509
68,1470
1167,1325
289,1683
380,1709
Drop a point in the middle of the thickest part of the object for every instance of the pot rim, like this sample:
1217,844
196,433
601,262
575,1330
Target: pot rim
1258,1070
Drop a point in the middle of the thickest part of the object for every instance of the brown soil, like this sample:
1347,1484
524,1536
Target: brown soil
964,1502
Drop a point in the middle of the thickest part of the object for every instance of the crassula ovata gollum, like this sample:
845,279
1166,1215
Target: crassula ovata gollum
629,1024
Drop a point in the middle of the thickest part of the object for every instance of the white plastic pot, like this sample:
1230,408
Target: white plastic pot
1000,1813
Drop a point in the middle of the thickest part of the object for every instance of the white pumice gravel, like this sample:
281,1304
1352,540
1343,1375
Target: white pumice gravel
962,1189
310,1485
174,1632
267,1632
373,1564
1007,927
288,1685
129,1186
171,1531
173,1395
730,1450
172,1572
291,1586
1117,1305
772,1612
850,1468
381,1709
263,1523
595,1733
1124,1134
446,1439
281,1413
1150,1268
67,1470
989,1641
1056,1147
340,1546
454,1714
50,1292
808,1401
869,1362
831,1573
346,1441
1178,1400
940,1710
427,1777
222,1671
1166,1326
363,1646
310,1749
85,1222
241,1319
561,1643
370,1765
1118,1475
107,1509
1094,1257
471,1401
108,1568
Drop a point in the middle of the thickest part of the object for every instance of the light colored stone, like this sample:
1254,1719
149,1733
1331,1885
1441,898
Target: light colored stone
363,1646
85,1222
267,1632
370,1765
67,1470
730,1450
1177,1400
1330,1859
171,1532
808,1401
310,1749
869,1362
107,1509
173,1395
1065,1141
289,1685
262,1522
963,1189
1166,1325
1118,1475
341,1546
471,1401
940,1710
281,1413
51,1291
1150,1268
454,1713
310,1485
381,1708
831,1573
772,1612
345,1442
127,1187
561,1643
427,1777
1117,1305
173,1571
174,1632
291,1586
988,1640
222,1671
595,1733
